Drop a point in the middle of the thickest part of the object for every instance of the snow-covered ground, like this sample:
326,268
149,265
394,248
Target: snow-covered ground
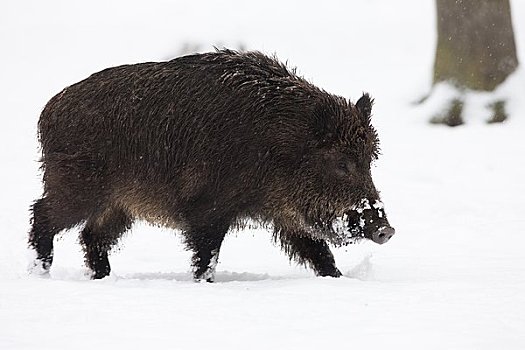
453,277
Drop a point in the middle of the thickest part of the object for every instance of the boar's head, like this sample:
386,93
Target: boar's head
333,187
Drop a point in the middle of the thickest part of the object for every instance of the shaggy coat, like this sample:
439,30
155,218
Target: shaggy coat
201,143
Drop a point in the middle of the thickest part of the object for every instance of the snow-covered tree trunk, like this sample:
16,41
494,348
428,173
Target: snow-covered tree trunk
475,49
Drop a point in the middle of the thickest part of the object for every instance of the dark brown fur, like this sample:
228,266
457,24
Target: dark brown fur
201,143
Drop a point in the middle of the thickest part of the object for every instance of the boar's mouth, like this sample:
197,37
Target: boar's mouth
364,221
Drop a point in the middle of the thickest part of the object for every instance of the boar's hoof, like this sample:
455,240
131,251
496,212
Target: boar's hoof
330,273
383,234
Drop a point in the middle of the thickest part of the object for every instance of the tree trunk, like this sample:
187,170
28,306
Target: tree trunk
475,51
476,48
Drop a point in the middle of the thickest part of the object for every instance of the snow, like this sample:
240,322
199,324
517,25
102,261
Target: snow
452,277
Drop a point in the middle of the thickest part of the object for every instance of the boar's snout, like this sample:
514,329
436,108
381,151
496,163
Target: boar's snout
368,220
383,234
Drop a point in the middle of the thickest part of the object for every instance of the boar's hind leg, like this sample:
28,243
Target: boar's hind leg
205,242
49,218
305,250
99,235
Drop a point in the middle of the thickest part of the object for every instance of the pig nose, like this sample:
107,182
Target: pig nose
383,234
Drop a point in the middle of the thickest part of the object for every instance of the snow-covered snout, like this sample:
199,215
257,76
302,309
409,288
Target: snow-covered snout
368,220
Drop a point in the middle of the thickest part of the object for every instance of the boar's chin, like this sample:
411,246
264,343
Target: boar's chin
336,231
347,229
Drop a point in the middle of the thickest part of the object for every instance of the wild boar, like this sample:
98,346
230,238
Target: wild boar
202,143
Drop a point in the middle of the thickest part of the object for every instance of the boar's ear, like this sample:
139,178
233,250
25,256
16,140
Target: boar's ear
364,105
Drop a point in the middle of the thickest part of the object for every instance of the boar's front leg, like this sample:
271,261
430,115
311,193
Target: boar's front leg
308,251
99,235
205,242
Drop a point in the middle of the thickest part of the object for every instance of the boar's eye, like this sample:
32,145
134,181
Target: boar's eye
342,166
338,164
345,167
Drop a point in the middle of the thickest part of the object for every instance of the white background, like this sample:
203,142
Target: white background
453,277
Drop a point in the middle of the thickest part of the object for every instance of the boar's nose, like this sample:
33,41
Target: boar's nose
383,234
